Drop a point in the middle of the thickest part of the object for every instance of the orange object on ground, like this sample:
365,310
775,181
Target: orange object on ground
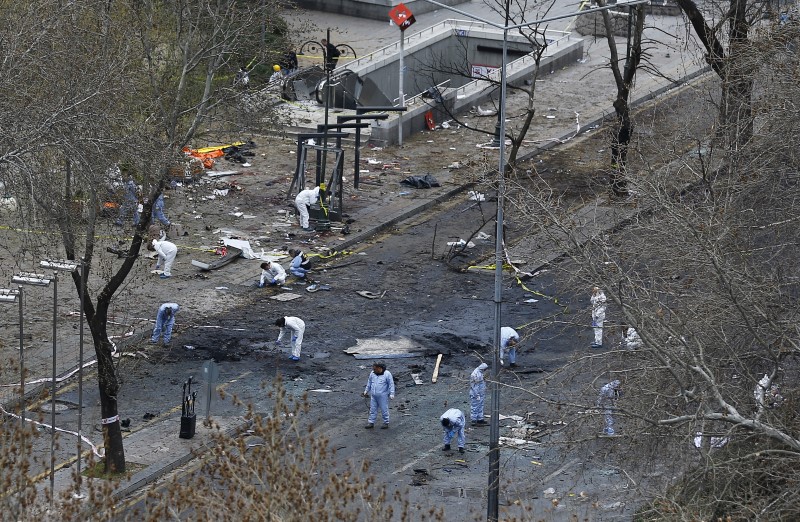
429,120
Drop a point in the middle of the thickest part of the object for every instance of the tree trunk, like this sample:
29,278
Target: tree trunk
735,112
619,144
109,388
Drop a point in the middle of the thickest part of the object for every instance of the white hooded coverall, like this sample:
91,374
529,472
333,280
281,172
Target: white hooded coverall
632,339
598,301
606,400
294,330
274,275
457,422
477,392
166,254
303,200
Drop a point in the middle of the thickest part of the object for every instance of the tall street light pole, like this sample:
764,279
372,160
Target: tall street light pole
67,265
8,295
28,278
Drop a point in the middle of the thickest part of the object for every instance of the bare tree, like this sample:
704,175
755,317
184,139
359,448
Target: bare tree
152,77
725,28
705,272
624,80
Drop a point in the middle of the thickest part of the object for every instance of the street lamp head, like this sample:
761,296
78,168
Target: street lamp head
65,265
8,295
30,278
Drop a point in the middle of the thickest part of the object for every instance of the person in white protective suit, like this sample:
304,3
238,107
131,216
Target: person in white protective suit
302,201
292,327
607,400
509,339
598,301
477,395
272,274
379,389
166,254
453,422
632,340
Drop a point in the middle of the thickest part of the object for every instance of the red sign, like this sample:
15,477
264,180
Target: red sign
402,16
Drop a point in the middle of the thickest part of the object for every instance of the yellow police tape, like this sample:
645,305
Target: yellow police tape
519,281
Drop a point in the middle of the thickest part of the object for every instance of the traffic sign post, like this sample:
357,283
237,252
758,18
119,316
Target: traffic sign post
403,17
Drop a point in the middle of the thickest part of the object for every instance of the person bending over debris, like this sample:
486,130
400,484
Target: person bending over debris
272,274
300,263
477,395
632,341
380,388
607,400
453,422
166,254
509,339
294,328
598,301
165,320
302,201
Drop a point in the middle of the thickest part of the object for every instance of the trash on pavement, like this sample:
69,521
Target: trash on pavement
461,243
385,347
285,297
426,181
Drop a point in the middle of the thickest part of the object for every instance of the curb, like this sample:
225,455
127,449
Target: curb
409,212
156,471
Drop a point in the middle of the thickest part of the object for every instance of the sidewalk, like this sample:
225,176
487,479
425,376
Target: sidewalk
157,447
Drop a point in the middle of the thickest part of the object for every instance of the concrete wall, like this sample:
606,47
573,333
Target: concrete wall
373,9
474,93
449,58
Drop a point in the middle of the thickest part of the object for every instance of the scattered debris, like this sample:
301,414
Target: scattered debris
370,295
386,348
476,196
715,442
426,181
231,253
461,243
285,297
483,112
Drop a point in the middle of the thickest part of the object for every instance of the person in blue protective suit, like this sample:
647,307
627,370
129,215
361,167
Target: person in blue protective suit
509,338
607,400
477,395
165,320
158,211
453,422
380,389
300,263
130,203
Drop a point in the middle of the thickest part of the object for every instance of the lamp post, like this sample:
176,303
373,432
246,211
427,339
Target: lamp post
70,266
29,278
492,508
9,296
